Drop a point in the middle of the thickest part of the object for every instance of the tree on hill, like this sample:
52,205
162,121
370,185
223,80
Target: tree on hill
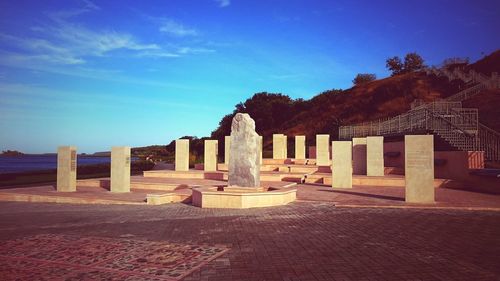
412,62
395,65
363,78
269,111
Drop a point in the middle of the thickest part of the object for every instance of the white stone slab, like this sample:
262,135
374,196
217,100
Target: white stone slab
419,169
375,156
227,147
300,147
341,164
120,169
66,168
182,155
359,156
323,150
210,155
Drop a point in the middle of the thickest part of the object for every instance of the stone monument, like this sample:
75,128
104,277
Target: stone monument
419,169
244,164
120,169
341,164
375,156
359,156
182,155
279,146
66,168
323,150
210,155
300,147
227,146
261,140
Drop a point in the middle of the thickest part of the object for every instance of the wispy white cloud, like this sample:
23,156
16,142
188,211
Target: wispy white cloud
62,15
175,28
191,50
64,42
223,3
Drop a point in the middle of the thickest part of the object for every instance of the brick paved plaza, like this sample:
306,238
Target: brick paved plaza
300,241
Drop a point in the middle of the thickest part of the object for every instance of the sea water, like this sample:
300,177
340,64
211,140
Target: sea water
24,163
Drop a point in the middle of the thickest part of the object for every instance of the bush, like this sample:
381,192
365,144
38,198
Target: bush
363,78
412,62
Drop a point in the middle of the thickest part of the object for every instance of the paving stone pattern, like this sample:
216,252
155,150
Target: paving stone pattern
300,241
62,257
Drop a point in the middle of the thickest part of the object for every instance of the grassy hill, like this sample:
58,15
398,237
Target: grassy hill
325,112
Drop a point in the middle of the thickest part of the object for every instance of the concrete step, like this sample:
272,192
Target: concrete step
105,183
166,198
191,174
394,171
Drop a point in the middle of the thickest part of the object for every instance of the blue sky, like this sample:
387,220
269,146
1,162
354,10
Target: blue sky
104,73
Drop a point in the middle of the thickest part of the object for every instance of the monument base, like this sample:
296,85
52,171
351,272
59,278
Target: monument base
242,198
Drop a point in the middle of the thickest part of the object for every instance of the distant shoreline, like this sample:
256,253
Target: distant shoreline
49,176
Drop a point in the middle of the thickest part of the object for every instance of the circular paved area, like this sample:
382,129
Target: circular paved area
300,241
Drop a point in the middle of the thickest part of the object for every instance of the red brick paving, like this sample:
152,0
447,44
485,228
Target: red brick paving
300,241
62,257
381,196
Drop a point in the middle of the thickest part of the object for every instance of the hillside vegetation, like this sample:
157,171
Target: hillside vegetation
325,112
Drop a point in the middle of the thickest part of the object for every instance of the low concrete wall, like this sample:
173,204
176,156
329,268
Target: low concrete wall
209,197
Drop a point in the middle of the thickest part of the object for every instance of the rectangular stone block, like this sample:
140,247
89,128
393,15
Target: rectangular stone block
279,146
66,168
261,139
227,148
342,164
120,169
210,155
182,155
323,150
375,156
300,147
285,146
419,169
359,156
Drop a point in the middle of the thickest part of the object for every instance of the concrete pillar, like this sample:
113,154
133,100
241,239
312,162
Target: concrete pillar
120,169
182,155
279,146
66,168
419,169
375,156
323,150
227,148
359,156
300,147
341,164
210,155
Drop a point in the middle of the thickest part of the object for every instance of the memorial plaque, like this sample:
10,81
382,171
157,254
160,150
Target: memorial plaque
375,156
323,150
419,169
342,164
66,168
120,169
359,156
182,155
73,160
